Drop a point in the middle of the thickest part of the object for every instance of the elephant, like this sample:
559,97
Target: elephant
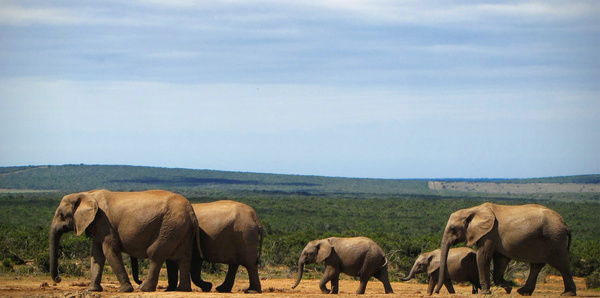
230,233
356,256
525,233
462,266
155,224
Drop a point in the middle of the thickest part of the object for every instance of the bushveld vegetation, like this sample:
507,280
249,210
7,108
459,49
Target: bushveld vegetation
404,224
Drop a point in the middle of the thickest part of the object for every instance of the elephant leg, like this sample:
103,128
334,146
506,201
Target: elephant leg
335,283
384,277
529,287
185,283
432,280
362,286
255,286
96,267
115,260
328,275
449,286
172,275
484,257
227,285
500,264
196,273
149,285
563,266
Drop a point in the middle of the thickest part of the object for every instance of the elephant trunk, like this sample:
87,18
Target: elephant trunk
55,236
411,274
300,272
446,243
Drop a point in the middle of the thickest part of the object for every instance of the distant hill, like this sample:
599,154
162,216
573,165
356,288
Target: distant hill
73,178
127,178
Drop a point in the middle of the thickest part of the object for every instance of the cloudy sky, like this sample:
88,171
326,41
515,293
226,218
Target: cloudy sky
379,89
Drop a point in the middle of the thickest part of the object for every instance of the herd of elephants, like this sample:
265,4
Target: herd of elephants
165,227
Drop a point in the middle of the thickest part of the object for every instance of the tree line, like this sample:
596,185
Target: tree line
404,226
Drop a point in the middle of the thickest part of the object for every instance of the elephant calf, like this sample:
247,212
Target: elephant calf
358,256
462,266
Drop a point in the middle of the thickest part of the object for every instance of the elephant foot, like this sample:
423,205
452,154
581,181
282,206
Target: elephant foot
508,289
486,292
325,291
146,287
184,289
524,292
569,293
95,288
170,289
250,291
224,288
126,288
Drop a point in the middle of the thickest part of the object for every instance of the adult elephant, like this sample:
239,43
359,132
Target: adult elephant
156,224
461,264
357,256
230,233
525,233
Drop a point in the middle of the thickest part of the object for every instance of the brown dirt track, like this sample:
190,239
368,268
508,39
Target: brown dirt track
42,286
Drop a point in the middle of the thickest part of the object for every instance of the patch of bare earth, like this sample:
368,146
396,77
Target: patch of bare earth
43,286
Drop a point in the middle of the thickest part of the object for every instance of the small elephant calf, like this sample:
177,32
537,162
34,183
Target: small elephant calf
462,266
358,256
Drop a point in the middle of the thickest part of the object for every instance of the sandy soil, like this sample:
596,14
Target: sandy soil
42,286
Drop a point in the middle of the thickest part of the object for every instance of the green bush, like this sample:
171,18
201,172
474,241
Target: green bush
592,281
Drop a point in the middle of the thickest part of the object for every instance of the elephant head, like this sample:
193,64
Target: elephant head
466,225
426,262
75,213
315,251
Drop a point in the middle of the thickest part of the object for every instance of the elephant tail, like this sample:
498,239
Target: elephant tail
386,262
261,235
569,240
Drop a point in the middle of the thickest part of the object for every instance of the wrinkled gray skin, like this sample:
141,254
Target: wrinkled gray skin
230,233
158,225
526,233
461,264
359,256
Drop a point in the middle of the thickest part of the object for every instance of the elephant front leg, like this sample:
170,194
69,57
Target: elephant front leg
96,267
484,257
432,280
327,276
115,260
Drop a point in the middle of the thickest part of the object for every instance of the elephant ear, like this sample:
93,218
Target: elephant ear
479,223
85,211
434,265
324,250
433,261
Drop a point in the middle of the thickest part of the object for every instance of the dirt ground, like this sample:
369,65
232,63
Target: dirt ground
42,286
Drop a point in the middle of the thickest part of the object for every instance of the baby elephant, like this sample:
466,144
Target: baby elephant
359,256
462,266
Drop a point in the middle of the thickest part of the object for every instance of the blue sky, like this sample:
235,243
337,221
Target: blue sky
378,89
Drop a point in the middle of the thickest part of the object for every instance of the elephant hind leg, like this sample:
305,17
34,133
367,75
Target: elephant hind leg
255,286
564,268
534,271
227,285
383,276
